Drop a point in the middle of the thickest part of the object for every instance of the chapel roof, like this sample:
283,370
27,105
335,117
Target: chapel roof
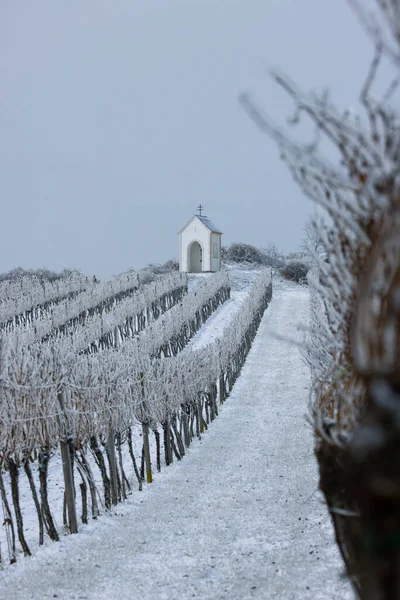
209,224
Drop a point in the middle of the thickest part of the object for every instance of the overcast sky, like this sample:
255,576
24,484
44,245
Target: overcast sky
117,117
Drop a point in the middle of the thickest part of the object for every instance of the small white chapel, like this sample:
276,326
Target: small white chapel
200,245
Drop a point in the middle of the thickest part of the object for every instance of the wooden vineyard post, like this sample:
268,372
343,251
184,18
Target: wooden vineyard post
221,389
214,396
168,441
186,434
111,447
212,405
8,522
113,466
146,445
68,474
69,486
200,410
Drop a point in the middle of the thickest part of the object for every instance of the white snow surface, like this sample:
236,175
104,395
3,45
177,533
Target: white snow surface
241,281
216,323
239,517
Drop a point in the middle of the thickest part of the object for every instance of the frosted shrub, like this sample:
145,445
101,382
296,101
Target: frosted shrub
243,253
354,341
295,271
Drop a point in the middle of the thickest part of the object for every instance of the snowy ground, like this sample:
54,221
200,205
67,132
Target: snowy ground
239,517
241,282
216,323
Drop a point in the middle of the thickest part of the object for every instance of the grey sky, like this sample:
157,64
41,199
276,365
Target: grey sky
117,117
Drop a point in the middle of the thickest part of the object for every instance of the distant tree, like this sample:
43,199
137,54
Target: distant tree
246,253
148,273
168,267
152,270
243,253
272,257
42,274
295,271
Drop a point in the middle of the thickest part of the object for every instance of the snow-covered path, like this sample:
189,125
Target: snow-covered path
239,517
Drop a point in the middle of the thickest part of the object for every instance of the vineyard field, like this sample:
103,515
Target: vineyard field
229,519
121,413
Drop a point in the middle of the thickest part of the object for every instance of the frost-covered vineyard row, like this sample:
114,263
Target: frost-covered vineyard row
63,316
91,317
30,299
88,405
27,298
31,377
96,388
176,327
140,314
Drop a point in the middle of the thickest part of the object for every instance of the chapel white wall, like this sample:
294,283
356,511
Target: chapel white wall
194,231
215,261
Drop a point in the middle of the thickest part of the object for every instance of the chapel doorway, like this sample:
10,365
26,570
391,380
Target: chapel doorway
195,258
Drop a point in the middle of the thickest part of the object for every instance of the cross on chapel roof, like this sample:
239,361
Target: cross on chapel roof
200,209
